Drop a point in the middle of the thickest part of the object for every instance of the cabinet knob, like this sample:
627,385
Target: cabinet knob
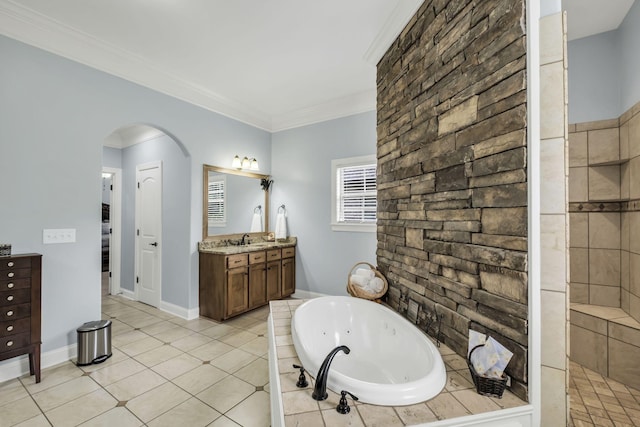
10,264
10,298
9,343
11,274
10,285
9,328
10,313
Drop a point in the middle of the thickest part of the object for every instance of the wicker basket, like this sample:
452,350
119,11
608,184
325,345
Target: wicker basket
357,291
493,387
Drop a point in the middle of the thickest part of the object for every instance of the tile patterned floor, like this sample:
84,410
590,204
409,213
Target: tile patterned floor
601,402
165,371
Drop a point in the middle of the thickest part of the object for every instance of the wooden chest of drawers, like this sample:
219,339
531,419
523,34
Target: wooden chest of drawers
20,279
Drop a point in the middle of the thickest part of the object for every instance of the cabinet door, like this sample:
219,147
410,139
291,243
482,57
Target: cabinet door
237,290
257,285
273,280
288,276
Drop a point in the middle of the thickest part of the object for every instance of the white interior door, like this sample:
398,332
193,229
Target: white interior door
149,232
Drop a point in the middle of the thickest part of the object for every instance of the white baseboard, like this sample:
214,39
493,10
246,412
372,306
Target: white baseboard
303,294
19,366
176,310
127,294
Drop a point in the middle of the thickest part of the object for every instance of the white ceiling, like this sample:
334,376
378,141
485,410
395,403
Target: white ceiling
589,17
275,64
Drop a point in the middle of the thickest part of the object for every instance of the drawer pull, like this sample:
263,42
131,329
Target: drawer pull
9,343
10,285
10,264
11,274
10,298
9,328
10,313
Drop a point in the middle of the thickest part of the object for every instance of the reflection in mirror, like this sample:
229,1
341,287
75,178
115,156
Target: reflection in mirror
230,201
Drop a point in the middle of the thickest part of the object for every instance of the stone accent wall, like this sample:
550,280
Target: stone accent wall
452,179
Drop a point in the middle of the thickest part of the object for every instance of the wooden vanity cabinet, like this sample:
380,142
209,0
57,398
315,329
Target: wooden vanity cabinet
233,284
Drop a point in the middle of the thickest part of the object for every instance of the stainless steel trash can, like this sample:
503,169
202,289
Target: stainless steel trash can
94,342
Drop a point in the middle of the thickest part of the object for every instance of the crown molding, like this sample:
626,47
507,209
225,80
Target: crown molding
394,25
334,109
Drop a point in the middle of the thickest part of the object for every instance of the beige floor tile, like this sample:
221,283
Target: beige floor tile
65,392
218,331
223,422
311,419
455,362
200,378
52,377
11,391
259,328
379,416
211,350
238,338
116,357
254,411
158,355
135,385
191,342
258,346
81,409
233,360
298,401
177,366
38,421
226,394
475,403
173,334
446,406
158,327
18,411
157,401
242,322
416,414
142,346
192,413
286,351
199,324
120,417
508,400
117,371
455,381
334,418
128,338
119,328
255,373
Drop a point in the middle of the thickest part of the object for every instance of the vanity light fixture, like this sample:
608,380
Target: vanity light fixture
245,163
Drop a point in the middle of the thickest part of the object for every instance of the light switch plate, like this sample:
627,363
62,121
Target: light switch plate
58,235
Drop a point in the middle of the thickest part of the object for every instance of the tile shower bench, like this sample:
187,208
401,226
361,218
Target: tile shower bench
458,399
606,340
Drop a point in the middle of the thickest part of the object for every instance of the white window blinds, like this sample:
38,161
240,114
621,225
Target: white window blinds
217,202
356,194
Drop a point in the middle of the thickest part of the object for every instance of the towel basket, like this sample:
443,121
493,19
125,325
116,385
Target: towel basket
486,386
357,291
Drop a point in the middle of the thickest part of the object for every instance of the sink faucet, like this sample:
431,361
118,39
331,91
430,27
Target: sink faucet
320,389
243,241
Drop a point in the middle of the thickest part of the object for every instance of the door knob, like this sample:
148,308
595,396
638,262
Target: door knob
154,244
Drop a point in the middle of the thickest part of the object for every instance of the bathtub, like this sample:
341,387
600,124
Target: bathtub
391,362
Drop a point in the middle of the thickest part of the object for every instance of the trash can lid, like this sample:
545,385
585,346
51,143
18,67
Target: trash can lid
94,326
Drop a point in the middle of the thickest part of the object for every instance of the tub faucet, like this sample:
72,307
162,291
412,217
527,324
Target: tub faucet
320,389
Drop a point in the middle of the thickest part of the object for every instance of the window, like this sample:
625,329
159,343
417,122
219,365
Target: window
216,209
354,194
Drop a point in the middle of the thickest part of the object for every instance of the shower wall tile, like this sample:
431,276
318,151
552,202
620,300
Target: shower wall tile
624,141
551,43
604,267
623,363
554,399
552,107
589,349
553,247
592,323
634,273
634,178
579,265
578,184
579,293
604,183
608,296
552,163
604,230
634,232
598,124
624,231
624,300
579,230
578,149
634,136
627,331
604,146
624,270
634,307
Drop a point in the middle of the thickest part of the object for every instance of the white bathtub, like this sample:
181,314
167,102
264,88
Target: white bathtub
391,362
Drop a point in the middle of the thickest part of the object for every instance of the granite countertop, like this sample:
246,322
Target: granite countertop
213,247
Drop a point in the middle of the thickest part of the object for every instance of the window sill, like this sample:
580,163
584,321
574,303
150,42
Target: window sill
360,228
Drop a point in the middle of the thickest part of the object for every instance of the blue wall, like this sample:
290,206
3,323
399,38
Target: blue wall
302,181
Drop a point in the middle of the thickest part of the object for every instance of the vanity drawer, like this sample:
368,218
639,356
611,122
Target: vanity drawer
257,257
14,327
7,285
273,254
288,252
14,342
13,297
12,312
17,273
239,260
14,263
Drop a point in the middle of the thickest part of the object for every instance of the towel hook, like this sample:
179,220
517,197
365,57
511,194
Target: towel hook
257,209
282,209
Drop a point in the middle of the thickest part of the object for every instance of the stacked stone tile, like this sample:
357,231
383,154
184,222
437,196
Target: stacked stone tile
452,179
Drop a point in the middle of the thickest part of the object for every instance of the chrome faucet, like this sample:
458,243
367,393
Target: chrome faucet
243,241
320,389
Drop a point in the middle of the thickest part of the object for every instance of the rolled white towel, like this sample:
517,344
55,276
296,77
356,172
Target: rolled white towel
365,272
281,226
376,284
361,281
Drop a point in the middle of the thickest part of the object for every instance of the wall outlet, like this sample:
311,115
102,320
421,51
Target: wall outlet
58,235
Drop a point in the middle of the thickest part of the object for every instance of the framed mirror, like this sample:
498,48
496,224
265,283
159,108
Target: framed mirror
230,198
